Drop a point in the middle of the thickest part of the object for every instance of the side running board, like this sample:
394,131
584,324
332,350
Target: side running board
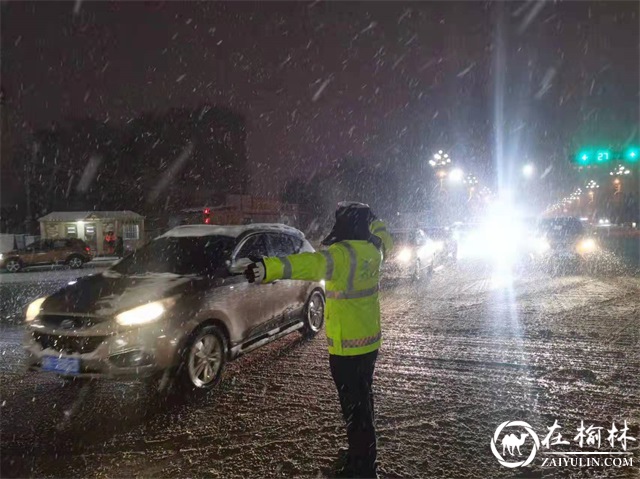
265,338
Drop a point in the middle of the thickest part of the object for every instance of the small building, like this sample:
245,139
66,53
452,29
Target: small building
236,209
96,228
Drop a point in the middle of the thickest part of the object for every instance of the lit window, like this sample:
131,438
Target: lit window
72,231
130,232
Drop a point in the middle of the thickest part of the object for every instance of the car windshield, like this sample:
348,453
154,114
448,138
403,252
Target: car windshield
404,237
438,233
561,227
183,256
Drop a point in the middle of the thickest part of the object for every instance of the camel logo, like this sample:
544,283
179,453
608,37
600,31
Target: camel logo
511,444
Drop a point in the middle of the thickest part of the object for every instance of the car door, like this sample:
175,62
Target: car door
28,254
288,295
60,251
254,307
37,252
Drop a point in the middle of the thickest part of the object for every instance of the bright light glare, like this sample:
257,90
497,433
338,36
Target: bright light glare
456,175
144,314
587,246
542,246
528,170
34,309
404,256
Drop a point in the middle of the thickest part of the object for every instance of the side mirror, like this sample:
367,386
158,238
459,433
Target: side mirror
238,265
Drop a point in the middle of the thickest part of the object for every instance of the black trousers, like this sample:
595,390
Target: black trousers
353,376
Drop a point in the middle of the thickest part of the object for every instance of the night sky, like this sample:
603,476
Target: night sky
322,81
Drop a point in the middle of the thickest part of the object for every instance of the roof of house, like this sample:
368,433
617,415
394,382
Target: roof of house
69,216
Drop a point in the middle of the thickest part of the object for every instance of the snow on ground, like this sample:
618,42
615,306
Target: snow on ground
460,355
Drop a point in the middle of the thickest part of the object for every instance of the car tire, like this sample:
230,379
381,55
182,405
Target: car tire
13,265
75,261
415,276
313,314
202,360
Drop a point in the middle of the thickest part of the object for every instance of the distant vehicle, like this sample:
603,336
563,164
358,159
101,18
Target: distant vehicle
414,254
70,251
564,239
445,235
178,308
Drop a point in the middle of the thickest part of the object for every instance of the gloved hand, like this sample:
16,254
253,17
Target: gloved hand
256,272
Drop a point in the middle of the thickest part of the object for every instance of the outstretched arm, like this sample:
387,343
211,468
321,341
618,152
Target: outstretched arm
302,266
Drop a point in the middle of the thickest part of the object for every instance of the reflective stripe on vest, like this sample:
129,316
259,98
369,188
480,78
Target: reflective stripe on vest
286,268
329,260
379,229
353,266
329,341
352,294
358,343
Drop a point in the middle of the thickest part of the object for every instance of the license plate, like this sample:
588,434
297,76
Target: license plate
61,365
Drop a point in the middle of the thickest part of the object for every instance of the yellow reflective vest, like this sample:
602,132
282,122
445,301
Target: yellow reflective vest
379,229
351,271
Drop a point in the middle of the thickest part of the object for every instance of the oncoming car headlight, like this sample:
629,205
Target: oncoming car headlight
404,255
587,246
33,310
147,313
542,246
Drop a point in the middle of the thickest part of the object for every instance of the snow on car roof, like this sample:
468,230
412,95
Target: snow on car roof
230,230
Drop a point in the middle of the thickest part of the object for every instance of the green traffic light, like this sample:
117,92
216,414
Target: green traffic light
632,154
583,158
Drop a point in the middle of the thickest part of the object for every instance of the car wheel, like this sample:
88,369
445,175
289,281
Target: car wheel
13,266
203,360
75,262
313,314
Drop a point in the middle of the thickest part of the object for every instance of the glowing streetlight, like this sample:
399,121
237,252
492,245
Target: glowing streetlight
620,170
470,180
528,170
456,175
440,160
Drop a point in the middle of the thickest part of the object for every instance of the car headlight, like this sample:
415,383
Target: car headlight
1,256
404,256
147,313
587,246
542,246
33,310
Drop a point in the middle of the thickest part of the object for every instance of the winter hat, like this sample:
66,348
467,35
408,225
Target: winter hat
352,223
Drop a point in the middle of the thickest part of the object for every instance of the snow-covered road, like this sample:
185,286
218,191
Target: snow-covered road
461,355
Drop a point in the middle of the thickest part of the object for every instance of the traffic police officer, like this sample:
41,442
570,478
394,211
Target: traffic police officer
351,267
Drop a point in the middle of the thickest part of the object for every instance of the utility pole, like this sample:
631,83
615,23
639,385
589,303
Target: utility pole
35,148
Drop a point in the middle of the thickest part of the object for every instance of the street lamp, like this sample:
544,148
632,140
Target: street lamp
620,170
592,185
440,162
528,170
470,180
